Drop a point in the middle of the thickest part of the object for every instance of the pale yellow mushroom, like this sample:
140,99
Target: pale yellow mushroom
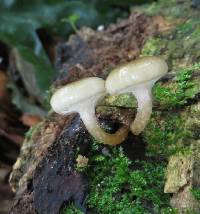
138,77
82,96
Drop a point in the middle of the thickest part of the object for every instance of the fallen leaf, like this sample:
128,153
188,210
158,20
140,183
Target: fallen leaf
3,84
30,119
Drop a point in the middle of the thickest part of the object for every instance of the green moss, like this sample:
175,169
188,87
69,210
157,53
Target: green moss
118,185
189,211
71,209
196,193
196,32
153,47
168,8
126,100
179,91
164,135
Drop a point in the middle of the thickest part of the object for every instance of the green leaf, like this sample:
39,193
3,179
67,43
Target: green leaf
36,75
22,103
19,22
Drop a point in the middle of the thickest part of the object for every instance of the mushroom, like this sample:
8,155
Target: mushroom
138,77
82,96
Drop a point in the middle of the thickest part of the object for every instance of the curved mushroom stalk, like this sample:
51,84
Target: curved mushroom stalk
88,116
144,109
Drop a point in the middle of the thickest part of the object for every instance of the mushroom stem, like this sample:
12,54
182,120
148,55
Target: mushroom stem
144,109
88,116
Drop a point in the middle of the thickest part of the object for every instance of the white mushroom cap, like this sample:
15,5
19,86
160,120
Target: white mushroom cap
136,72
66,98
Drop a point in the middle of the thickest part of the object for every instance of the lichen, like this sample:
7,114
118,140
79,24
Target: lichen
179,167
180,46
81,163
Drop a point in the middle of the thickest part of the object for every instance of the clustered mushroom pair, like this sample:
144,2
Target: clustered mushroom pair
137,77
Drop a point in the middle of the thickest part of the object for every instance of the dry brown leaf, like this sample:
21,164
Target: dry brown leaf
3,84
30,120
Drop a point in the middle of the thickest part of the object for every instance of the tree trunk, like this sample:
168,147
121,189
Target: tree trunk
48,176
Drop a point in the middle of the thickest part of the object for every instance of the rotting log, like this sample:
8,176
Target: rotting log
45,176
